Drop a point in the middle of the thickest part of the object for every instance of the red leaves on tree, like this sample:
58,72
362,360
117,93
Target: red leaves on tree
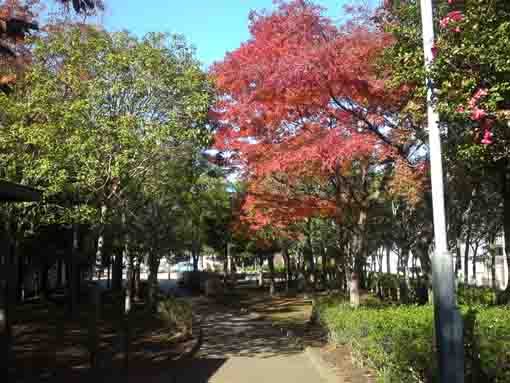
302,97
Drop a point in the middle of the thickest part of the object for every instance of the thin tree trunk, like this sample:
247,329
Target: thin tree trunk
475,251
109,273
154,262
136,282
492,252
117,272
310,257
75,273
324,264
100,242
404,282
466,258
286,259
388,259
128,302
270,261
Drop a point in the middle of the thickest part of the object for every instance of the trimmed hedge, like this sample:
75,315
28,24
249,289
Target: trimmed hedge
397,341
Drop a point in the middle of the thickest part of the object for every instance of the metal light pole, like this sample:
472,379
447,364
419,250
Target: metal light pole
448,322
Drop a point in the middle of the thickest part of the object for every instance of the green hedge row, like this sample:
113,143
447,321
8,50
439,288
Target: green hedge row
397,341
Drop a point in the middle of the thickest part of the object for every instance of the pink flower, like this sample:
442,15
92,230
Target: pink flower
456,29
455,16
444,22
478,114
451,1
487,137
460,109
481,93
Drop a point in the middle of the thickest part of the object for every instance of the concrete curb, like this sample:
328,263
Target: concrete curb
325,371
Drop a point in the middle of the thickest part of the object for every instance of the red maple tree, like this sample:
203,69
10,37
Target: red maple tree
303,101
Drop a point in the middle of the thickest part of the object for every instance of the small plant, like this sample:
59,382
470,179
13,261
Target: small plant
176,314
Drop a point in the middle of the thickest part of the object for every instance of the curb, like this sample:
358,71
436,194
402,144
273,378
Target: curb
325,371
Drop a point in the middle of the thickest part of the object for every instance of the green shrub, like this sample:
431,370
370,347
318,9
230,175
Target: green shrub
397,341
470,295
176,314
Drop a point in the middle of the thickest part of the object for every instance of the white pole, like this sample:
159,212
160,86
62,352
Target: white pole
448,322
436,165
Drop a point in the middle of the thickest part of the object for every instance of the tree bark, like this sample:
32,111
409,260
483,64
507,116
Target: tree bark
312,273
475,251
117,272
404,282
388,259
136,282
270,262
466,258
492,252
75,273
286,259
100,242
154,262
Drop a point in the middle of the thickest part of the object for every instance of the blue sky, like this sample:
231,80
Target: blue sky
214,27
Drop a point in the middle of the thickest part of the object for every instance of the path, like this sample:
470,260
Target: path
242,347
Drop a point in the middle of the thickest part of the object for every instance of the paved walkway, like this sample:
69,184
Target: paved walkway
241,347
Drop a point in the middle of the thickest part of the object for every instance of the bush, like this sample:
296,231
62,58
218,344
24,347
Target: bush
397,341
471,295
176,314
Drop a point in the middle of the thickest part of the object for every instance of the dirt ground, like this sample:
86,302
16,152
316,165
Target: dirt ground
49,345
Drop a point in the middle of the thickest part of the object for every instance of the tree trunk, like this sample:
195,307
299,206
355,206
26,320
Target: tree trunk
458,257
100,242
136,282
310,257
324,264
226,269
154,262
404,282
466,258
492,252
109,273
286,259
117,272
388,259
270,262
358,250
128,302
354,293
195,258
75,273
475,251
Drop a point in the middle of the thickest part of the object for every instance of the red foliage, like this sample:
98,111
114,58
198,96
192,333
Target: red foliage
302,97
